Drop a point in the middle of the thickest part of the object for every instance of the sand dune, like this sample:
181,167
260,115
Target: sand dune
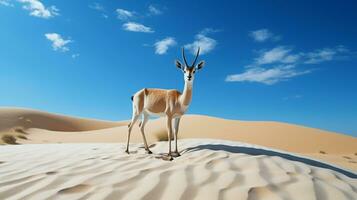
31,126
272,134
27,118
16,122
86,160
207,169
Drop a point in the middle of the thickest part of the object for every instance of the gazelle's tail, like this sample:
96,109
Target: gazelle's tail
132,98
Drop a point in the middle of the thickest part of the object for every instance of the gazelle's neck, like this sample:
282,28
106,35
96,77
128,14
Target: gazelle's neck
187,93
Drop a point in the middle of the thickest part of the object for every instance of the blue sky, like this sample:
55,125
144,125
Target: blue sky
265,60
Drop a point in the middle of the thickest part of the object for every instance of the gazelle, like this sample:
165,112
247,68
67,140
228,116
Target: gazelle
169,103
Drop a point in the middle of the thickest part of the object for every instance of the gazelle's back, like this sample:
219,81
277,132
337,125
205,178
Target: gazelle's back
155,101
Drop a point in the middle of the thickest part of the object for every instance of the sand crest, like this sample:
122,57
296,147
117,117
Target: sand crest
207,169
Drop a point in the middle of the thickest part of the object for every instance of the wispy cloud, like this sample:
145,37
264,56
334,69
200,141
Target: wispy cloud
262,35
96,6
205,43
37,9
154,10
100,8
124,14
325,54
58,43
6,3
283,54
268,76
162,46
281,64
207,31
277,54
136,27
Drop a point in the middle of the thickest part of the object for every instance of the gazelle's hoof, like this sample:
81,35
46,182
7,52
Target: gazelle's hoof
175,154
168,158
148,152
127,151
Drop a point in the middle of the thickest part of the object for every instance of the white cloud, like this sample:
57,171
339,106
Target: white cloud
268,76
277,54
326,54
124,14
136,27
320,55
342,49
286,62
280,63
283,54
100,8
6,3
205,43
206,31
162,46
58,43
154,10
294,58
37,9
262,35
96,6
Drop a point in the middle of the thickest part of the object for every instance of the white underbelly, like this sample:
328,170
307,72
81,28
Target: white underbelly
161,114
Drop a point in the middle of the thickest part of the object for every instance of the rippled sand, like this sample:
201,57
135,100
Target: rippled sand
207,169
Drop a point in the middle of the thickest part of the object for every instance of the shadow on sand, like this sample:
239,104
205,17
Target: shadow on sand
254,151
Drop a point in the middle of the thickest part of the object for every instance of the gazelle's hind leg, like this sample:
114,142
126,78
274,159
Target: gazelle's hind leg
142,127
176,128
134,118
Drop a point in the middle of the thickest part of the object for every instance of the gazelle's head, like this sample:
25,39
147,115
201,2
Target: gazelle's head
189,70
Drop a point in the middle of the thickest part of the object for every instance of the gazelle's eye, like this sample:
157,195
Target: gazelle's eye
194,71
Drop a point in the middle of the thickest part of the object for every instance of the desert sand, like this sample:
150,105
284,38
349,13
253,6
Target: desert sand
26,126
207,169
63,157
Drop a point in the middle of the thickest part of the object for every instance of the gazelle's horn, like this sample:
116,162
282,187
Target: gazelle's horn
198,53
183,56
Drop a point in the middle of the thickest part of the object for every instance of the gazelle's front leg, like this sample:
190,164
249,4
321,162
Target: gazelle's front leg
169,133
176,128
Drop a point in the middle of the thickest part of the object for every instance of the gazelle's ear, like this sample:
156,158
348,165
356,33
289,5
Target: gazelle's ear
178,64
200,65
